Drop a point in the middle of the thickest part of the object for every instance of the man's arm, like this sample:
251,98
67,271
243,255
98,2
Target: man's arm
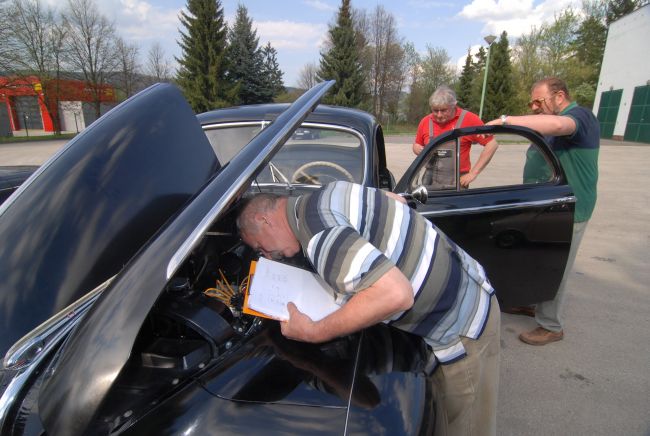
418,142
390,294
396,197
486,155
551,125
417,148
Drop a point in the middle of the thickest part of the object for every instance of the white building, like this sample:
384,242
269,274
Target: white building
623,94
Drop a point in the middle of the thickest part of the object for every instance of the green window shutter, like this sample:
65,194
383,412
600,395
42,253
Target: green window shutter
608,111
637,128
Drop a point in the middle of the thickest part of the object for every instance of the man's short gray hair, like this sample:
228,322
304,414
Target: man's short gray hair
442,96
249,206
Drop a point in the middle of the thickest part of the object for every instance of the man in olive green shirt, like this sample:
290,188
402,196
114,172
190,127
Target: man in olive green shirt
574,135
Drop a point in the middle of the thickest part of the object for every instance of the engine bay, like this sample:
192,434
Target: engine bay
196,322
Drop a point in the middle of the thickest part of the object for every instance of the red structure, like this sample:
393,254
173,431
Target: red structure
16,92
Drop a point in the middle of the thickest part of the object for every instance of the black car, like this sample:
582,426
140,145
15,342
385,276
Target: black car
109,248
11,177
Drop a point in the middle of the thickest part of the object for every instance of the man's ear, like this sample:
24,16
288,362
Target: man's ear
260,219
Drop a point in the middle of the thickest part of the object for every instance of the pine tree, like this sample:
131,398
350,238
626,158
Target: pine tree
202,69
341,62
499,90
271,74
481,57
589,46
245,60
464,86
619,8
590,39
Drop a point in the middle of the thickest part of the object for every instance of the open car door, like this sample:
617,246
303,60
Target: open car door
516,218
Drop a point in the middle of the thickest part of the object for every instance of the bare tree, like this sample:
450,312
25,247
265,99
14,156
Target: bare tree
528,63
436,69
5,36
91,42
307,76
33,46
127,68
558,48
528,56
413,101
158,66
389,67
428,71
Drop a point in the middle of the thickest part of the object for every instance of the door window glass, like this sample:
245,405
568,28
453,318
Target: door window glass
517,161
439,171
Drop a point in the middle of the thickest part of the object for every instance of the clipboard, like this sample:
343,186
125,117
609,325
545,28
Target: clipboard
278,284
246,308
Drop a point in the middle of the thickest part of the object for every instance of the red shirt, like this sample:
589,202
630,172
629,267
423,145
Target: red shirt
471,119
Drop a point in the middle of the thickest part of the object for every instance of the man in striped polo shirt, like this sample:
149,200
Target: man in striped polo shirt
388,263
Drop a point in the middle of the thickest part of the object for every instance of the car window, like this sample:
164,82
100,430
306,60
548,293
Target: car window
530,164
440,171
315,154
228,139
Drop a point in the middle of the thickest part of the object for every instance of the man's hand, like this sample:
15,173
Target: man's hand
466,179
299,326
390,294
417,148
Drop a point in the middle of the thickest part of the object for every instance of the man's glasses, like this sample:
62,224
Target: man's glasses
442,110
536,102
539,101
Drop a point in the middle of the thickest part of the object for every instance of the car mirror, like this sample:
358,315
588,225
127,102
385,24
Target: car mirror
420,194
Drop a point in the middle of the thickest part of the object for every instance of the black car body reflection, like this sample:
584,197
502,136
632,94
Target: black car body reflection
108,247
12,177
106,328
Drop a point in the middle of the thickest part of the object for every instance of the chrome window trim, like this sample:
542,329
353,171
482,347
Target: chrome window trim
14,359
363,144
499,207
212,126
46,337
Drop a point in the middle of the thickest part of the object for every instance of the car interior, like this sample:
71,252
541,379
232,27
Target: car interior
326,154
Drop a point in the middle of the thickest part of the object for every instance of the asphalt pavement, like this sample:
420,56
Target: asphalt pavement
597,380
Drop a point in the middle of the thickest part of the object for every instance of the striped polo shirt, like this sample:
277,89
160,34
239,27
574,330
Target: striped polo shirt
353,235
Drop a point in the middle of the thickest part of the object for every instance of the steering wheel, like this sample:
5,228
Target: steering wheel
320,172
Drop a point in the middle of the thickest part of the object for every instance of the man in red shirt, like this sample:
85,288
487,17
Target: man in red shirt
445,116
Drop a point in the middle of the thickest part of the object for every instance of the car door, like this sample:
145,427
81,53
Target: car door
516,218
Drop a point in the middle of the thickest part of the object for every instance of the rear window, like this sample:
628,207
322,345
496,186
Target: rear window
315,154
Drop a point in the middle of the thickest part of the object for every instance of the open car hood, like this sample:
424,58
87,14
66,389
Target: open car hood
84,213
97,350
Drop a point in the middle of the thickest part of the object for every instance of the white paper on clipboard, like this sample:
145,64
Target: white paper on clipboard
275,284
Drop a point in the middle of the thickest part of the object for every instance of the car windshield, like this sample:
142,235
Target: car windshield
315,154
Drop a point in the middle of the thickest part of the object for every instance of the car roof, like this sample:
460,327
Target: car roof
337,115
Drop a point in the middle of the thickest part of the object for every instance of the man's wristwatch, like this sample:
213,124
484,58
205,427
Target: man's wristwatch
504,118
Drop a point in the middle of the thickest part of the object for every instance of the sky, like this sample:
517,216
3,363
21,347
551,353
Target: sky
298,28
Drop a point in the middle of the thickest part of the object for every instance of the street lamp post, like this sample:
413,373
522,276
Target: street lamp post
489,39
